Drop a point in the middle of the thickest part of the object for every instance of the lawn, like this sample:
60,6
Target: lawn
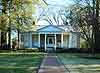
20,63
76,63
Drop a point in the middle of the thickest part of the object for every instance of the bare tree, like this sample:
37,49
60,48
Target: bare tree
85,15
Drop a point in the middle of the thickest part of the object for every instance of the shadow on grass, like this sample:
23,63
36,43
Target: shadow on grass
81,63
19,63
17,70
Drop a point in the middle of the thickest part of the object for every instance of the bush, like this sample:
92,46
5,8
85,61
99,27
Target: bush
28,50
69,50
41,49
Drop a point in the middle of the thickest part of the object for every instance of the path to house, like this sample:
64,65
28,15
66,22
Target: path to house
51,64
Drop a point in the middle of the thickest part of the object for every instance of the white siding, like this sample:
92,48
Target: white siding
30,40
26,40
78,40
35,40
66,41
73,40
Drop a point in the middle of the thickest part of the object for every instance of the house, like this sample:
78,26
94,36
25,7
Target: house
50,37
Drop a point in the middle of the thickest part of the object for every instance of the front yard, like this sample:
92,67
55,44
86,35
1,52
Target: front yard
78,64
19,62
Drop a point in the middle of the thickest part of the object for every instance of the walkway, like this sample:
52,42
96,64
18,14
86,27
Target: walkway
51,64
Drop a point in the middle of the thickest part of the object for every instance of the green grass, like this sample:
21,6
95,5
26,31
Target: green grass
19,63
79,64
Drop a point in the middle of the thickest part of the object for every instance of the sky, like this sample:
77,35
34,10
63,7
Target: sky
59,2
52,8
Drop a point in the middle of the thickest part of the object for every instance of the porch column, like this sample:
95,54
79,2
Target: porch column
45,42
55,42
62,40
39,40
7,38
70,40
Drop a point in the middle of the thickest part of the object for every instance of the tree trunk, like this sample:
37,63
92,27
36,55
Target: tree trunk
9,28
97,39
3,39
3,33
96,25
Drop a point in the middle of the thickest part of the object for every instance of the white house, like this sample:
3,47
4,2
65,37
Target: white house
50,37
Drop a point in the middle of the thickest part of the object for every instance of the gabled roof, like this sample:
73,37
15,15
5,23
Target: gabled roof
51,28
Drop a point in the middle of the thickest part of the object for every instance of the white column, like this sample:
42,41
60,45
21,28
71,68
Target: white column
7,38
62,40
39,40
45,42
70,40
55,42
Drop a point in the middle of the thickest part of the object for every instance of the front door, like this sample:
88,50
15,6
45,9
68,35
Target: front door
50,42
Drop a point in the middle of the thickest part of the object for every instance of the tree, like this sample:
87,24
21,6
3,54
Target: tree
17,13
24,20
57,17
86,18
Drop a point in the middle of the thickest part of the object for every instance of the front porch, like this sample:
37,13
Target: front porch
50,41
